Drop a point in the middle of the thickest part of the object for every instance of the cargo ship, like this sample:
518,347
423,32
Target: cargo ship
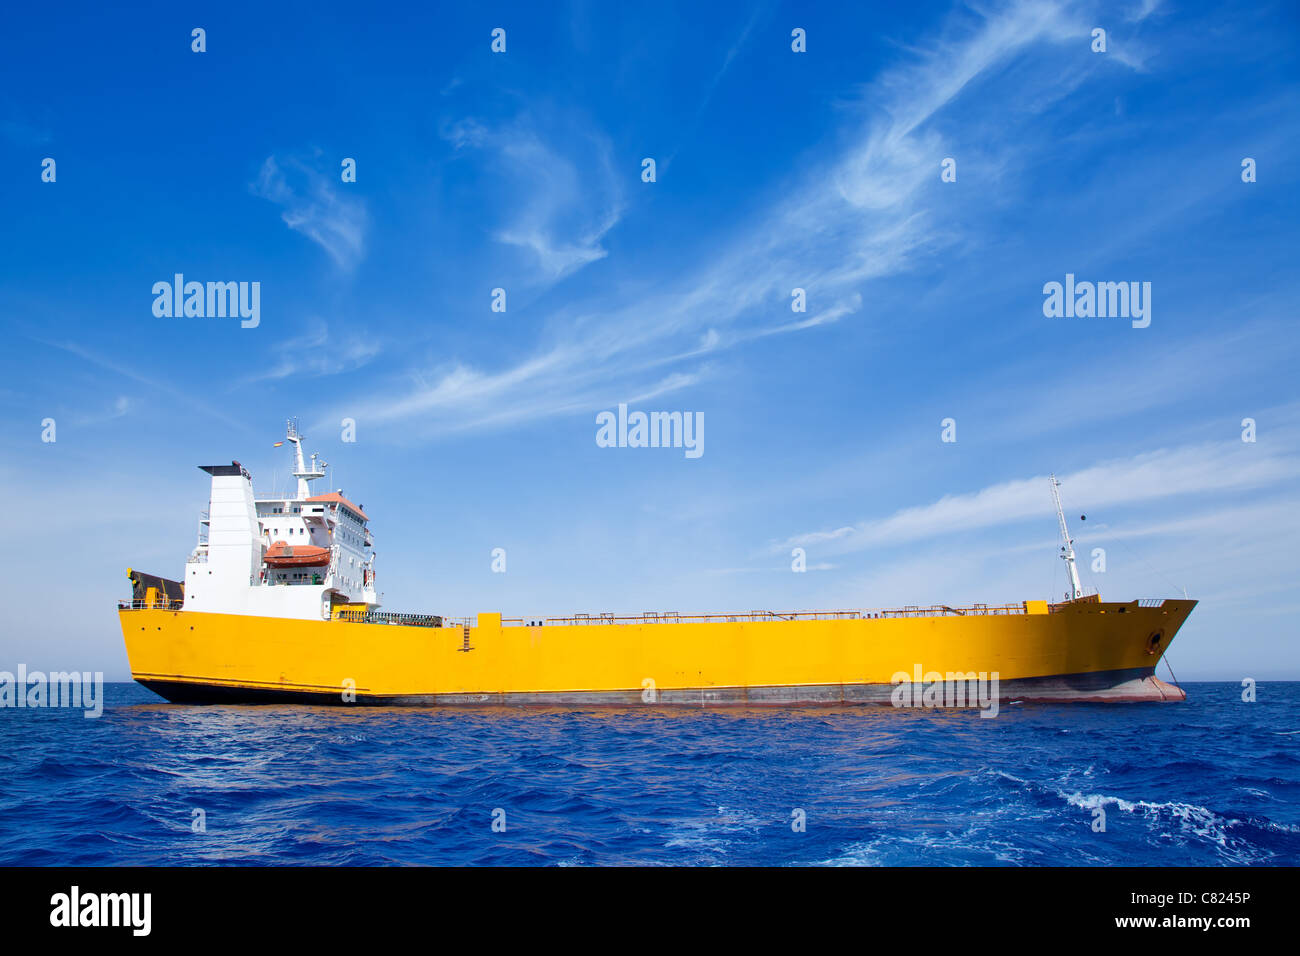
278,604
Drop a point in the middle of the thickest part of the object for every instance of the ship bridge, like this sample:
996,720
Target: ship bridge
283,555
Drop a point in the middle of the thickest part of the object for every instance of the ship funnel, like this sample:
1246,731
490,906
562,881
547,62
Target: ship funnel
234,552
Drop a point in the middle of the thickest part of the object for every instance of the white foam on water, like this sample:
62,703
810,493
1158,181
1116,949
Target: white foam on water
1169,820
970,847
713,834
1199,821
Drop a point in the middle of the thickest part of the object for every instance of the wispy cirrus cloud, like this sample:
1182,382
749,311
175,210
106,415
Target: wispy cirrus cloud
172,393
557,202
857,217
317,353
1211,467
457,397
117,409
312,204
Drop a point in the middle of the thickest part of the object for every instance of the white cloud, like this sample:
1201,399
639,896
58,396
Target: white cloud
313,205
317,353
1192,469
119,407
859,217
173,394
561,201
825,317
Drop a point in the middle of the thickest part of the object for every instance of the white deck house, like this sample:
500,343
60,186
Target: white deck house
294,557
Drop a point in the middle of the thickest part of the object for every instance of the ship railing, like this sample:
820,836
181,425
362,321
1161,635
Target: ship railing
673,617
1151,602
275,496
160,604
944,610
1093,598
356,616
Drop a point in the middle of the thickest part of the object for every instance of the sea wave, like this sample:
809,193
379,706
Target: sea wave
1209,782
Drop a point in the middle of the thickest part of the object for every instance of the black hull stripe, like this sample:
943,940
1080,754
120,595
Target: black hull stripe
1099,685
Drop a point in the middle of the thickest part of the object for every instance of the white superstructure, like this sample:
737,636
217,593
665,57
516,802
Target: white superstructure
297,556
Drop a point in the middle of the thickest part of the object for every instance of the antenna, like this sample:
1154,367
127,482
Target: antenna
1067,548
301,473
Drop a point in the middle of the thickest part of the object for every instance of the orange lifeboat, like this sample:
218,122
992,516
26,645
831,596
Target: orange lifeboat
282,555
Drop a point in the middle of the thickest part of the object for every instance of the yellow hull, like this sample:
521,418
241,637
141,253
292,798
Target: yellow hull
1082,650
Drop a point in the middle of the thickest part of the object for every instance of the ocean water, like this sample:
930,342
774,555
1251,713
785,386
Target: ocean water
1212,781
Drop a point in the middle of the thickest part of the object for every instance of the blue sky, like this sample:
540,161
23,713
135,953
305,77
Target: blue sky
775,170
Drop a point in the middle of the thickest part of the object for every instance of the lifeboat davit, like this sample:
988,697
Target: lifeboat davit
282,555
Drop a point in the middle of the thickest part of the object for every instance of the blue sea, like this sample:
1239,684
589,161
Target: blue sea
1214,781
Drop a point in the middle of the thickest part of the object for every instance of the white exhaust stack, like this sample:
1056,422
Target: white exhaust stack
234,553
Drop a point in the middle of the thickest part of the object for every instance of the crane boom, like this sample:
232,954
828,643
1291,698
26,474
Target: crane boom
1067,545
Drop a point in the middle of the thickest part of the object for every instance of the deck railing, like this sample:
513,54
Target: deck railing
389,617
665,617
673,617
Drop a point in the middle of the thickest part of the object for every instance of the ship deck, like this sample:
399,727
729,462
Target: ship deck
359,616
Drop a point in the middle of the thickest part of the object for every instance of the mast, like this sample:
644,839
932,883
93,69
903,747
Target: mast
1067,548
301,472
